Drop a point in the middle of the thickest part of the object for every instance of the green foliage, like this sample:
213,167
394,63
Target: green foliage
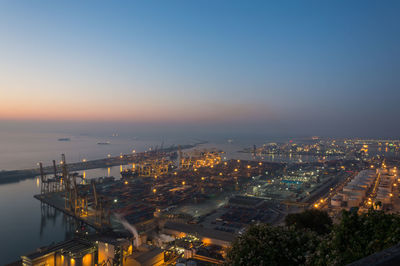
267,245
357,236
354,237
315,220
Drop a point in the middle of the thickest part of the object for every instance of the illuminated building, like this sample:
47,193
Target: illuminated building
68,253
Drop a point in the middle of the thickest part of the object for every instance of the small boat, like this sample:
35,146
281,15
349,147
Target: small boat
103,143
64,139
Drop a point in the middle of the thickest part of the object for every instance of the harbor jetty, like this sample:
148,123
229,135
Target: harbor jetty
13,176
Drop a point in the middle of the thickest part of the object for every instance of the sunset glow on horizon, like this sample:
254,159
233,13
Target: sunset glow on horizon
248,64
135,113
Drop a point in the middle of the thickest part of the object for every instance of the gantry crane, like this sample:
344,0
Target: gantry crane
67,184
199,159
57,184
44,188
101,212
79,201
50,184
153,168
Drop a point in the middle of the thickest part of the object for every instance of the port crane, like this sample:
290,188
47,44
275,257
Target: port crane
49,185
76,201
101,212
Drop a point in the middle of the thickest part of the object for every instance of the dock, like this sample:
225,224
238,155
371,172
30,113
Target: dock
14,176
56,200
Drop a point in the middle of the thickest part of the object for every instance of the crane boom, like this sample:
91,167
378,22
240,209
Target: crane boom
55,169
41,172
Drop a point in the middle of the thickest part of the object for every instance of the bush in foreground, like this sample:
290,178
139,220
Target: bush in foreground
263,244
358,236
315,220
354,237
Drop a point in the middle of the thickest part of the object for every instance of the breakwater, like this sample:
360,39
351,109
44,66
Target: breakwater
19,175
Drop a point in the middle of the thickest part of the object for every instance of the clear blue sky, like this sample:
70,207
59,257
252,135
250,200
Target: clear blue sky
295,67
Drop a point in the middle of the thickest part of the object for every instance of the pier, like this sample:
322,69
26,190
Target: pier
57,201
19,175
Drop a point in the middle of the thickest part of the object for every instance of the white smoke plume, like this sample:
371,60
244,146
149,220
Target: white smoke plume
130,228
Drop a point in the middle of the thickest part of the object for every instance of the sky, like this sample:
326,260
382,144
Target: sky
254,67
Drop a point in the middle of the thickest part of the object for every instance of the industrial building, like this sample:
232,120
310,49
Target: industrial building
95,250
384,191
69,253
354,192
